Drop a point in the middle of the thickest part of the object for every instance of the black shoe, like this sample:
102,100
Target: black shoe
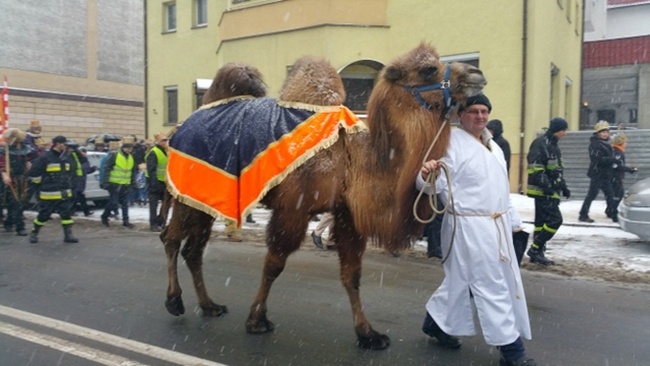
585,219
615,218
105,221
88,213
250,220
155,228
21,232
128,225
444,340
317,240
537,256
524,361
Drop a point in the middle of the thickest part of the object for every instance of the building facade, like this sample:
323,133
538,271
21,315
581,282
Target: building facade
76,66
616,61
530,51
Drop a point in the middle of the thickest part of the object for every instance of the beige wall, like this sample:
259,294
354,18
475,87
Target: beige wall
278,32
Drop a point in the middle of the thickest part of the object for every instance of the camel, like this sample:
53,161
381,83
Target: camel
365,179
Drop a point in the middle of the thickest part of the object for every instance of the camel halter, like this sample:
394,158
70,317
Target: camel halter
444,85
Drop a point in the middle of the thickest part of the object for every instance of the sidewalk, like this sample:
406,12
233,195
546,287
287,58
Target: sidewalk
600,249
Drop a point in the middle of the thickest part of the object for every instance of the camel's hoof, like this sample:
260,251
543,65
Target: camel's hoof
174,305
214,310
376,342
259,326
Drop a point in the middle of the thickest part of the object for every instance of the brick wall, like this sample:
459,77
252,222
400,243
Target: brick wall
77,120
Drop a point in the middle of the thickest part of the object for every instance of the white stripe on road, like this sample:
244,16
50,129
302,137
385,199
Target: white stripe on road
106,338
68,347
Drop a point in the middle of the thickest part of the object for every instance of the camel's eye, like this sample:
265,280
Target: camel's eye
428,72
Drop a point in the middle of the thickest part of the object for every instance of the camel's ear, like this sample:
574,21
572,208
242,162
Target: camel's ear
392,74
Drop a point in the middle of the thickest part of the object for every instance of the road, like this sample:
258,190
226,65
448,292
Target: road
100,302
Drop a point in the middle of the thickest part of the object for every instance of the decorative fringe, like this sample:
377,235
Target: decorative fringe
326,143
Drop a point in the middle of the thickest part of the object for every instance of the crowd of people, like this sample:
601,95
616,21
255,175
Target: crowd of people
54,174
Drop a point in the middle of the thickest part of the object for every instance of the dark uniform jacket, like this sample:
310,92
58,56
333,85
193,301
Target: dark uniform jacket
545,168
601,159
57,172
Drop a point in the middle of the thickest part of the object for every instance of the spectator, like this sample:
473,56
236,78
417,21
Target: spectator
117,179
600,170
14,177
326,222
156,160
80,186
619,143
140,189
496,129
481,272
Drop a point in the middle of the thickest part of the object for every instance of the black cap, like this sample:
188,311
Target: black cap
478,99
59,140
557,124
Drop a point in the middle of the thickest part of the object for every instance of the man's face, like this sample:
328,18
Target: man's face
474,118
603,135
560,134
59,146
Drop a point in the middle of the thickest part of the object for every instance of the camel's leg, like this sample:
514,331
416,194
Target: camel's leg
199,234
351,246
285,233
171,237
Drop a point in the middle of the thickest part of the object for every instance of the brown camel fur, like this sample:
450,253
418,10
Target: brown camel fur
366,179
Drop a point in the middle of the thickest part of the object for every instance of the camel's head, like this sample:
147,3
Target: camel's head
313,80
430,82
234,79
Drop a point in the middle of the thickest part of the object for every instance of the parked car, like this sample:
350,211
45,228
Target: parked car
634,210
93,193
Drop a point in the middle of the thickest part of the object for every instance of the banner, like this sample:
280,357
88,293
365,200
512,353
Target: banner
4,110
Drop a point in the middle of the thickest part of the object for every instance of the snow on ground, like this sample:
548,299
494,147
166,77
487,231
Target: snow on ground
601,249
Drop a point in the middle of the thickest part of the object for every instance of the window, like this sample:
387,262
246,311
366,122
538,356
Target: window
200,13
357,91
568,99
608,115
170,17
171,107
467,58
633,116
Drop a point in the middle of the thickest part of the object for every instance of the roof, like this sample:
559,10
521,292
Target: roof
622,3
616,52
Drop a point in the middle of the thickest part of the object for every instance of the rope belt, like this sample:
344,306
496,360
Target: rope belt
499,222
502,229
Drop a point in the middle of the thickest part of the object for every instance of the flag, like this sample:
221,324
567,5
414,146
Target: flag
4,110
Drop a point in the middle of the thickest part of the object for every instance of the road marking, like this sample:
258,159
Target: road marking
62,345
98,336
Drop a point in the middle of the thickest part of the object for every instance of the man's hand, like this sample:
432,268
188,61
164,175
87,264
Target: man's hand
566,192
634,170
429,167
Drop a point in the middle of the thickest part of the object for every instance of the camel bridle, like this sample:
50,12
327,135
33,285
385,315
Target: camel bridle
444,85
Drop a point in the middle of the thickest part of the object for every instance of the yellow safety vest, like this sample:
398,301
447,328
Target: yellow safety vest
122,170
78,169
161,166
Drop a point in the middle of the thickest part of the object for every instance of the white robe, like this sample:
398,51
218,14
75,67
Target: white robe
482,257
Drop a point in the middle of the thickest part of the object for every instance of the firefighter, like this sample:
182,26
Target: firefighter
545,183
57,171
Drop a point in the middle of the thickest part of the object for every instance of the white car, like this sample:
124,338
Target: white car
634,210
93,193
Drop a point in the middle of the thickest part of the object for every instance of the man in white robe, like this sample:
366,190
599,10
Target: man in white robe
481,270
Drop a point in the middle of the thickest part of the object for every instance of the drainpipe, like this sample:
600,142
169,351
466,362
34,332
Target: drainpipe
146,77
522,118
